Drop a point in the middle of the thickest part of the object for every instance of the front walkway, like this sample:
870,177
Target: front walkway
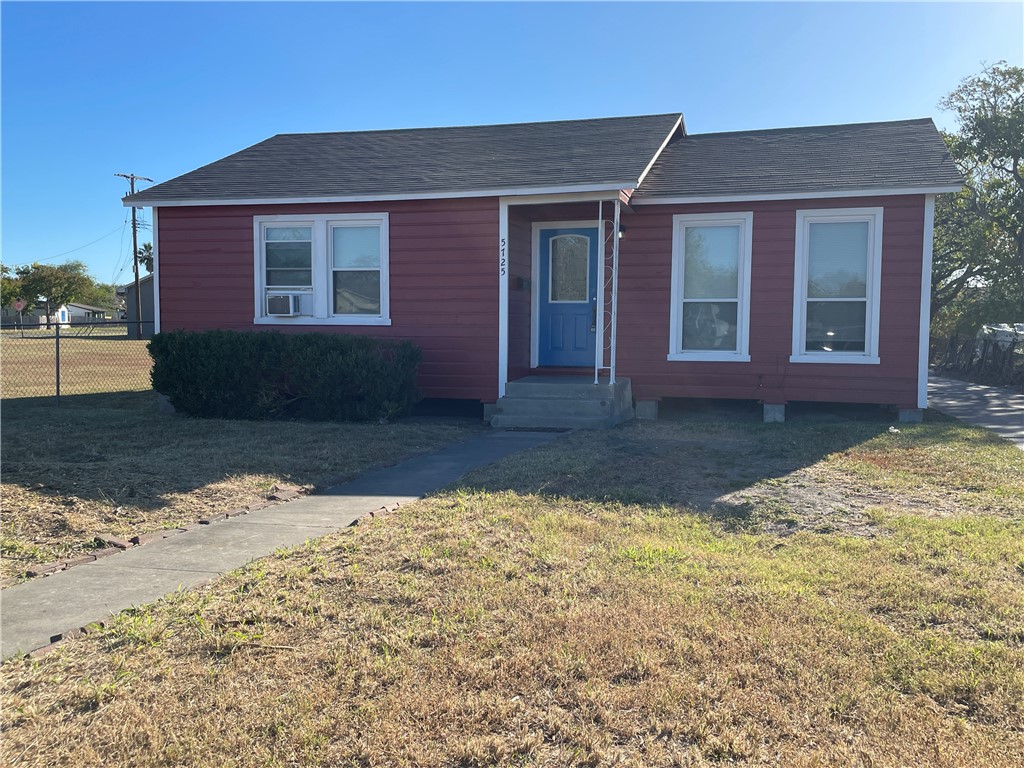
1000,409
35,612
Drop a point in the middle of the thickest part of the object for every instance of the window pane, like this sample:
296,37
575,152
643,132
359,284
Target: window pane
288,233
357,293
712,258
837,262
356,247
294,278
570,257
289,255
836,326
710,325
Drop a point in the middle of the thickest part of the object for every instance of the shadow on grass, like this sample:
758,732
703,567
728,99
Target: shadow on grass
120,450
715,458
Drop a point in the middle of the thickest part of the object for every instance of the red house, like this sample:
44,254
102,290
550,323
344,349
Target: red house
533,261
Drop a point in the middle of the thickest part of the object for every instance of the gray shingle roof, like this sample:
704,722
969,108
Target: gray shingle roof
607,151
891,155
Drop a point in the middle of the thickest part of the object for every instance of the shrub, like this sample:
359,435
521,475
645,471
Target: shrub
248,375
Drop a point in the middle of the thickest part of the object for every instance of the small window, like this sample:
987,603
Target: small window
328,269
570,269
836,291
711,287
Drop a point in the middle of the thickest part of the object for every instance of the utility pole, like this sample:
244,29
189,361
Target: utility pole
135,253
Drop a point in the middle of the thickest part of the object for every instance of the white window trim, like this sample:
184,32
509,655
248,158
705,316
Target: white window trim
322,269
804,218
745,221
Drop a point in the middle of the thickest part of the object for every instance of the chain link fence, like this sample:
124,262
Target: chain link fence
79,359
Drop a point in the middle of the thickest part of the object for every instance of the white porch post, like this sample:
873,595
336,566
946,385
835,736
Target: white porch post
503,268
615,290
599,296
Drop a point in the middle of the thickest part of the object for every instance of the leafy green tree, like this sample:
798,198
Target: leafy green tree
10,286
989,149
103,295
54,285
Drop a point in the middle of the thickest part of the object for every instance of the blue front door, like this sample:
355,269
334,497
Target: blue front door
566,333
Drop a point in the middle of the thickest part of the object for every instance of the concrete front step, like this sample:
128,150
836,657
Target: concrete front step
564,389
554,406
539,402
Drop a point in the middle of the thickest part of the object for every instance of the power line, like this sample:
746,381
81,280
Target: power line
51,258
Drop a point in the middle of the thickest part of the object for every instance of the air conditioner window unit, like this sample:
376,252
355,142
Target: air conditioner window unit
282,305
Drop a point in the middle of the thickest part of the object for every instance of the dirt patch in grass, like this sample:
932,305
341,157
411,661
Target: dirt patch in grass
564,608
113,464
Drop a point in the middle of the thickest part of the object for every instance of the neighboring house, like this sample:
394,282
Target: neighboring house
136,329
84,313
37,316
776,265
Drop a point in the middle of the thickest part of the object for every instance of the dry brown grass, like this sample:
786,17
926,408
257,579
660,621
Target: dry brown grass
552,612
113,464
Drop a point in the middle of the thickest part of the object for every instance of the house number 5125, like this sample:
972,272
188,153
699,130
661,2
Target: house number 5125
503,260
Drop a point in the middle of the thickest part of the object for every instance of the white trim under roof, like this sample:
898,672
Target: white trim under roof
816,195
568,189
660,150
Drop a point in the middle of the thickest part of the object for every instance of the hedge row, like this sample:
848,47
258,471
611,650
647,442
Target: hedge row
319,376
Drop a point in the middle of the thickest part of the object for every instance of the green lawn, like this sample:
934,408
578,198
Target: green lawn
706,591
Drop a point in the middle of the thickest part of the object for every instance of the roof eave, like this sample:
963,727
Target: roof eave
140,201
934,189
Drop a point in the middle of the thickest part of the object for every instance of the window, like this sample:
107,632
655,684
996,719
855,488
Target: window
570,269
322,269
836,291
711,286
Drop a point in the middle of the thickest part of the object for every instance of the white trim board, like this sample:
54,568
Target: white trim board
816,195
156,275
744,220
872,299
661,149
568,189
535,274
924,330
503,270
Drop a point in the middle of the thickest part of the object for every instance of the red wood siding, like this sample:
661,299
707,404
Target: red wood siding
444,294
444,281
644,302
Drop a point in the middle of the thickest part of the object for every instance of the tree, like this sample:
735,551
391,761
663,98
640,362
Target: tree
989,149
102,295
146,256
970,253
10,286
54,285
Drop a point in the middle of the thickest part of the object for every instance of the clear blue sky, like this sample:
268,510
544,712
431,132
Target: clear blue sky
91,89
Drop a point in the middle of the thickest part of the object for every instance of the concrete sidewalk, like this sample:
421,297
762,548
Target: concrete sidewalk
34,612
1000,409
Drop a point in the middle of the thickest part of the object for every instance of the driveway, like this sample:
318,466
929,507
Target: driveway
1000,409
